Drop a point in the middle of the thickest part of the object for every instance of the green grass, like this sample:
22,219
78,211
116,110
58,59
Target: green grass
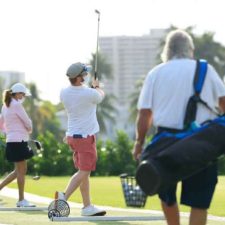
108,191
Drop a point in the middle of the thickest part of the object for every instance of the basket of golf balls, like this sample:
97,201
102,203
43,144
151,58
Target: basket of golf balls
133,194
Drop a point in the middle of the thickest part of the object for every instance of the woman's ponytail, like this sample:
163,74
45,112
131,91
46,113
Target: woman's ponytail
7,97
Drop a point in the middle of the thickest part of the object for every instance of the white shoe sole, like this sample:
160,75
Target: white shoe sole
102,213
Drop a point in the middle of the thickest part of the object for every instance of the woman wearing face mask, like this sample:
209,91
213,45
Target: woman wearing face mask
17,126
80,102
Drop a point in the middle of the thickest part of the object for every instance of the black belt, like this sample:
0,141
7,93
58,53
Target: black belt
77,136
171,130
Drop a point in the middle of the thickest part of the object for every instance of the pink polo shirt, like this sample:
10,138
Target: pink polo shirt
15,122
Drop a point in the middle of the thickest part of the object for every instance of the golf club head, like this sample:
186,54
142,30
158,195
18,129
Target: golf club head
96,11
38,144
36,177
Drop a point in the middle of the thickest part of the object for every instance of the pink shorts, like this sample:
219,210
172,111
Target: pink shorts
85,154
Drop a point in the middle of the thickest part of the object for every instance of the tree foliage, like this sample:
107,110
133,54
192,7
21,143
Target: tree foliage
206,47
214,52
134,99
114,157
1,89
42,114
54,160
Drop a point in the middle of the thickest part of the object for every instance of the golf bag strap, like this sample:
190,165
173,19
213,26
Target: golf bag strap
208,107
200,74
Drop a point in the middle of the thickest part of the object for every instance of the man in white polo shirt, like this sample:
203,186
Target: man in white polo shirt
80,103
162,102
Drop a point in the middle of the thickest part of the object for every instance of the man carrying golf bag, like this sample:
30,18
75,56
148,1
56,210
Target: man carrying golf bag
163,102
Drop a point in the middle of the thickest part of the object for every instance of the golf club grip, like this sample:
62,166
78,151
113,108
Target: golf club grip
95,75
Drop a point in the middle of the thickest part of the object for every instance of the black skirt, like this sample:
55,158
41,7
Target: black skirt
18,151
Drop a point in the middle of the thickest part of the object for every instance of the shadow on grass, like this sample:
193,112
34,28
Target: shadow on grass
34,213
2,203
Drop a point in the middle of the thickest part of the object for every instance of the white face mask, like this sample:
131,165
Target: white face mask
86,79
21,100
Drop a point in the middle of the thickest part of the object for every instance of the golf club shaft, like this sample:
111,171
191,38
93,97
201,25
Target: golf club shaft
96,56
36,146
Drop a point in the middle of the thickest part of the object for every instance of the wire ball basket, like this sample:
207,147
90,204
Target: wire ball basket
58,208
134,196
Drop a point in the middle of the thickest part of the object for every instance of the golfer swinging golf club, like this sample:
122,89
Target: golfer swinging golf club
80,103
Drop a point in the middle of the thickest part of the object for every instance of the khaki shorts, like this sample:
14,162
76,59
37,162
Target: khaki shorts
84,152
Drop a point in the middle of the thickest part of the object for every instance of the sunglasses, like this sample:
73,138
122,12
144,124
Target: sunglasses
85,69
21,93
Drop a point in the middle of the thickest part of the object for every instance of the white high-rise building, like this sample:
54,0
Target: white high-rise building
131,57
7,78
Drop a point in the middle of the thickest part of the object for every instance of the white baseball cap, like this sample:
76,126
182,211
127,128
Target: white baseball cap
77,69
20,88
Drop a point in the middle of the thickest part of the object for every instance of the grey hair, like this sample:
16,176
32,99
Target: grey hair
179,44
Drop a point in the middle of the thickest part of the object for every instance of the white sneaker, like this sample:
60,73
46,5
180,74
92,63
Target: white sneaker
60,195
24,203
91,210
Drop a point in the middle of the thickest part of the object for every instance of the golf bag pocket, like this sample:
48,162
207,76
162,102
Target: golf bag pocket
159,143
191,110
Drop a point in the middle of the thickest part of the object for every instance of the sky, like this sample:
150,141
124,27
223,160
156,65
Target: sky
43,37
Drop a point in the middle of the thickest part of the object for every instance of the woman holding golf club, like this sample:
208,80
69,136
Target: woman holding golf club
17,126
80,102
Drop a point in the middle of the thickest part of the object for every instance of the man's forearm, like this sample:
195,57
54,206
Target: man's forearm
222,104
144,121
100,91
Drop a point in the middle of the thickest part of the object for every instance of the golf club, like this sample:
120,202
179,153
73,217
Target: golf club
96,54
37,148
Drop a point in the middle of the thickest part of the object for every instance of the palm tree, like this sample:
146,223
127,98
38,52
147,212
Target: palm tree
104,68
1,135
31,105
205,48
134,99
214,52
42,113
106,110
1,89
